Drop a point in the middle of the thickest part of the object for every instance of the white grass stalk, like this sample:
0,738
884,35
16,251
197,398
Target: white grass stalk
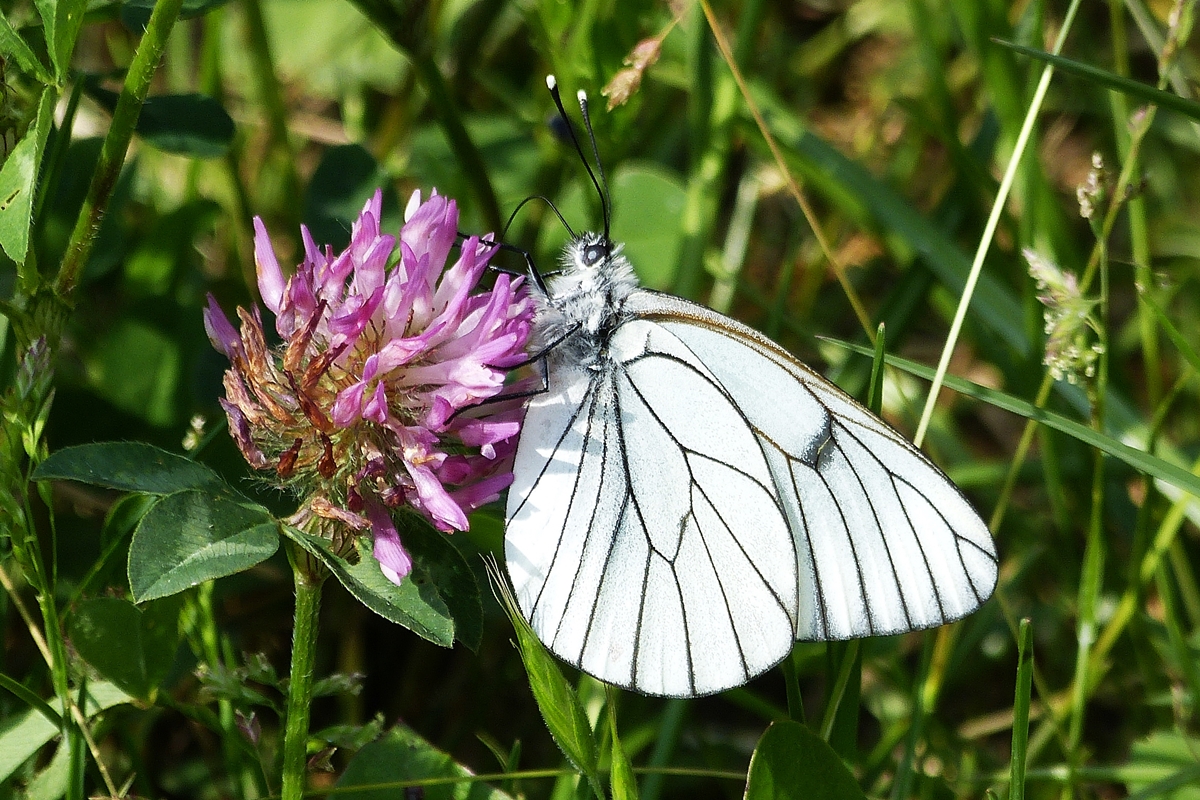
989,230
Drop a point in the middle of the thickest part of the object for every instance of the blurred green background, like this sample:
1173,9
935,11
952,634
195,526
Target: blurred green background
898,117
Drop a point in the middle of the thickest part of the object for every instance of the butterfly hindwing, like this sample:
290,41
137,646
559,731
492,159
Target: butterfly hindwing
885,542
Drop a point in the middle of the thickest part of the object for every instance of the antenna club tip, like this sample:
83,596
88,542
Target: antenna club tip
581,95
551,82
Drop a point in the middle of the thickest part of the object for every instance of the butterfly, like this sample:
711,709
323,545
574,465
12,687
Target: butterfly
689,499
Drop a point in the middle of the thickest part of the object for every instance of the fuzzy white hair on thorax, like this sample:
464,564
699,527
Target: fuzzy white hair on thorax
583,302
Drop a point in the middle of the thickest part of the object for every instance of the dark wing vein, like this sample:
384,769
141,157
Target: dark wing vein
680,444
957,536
612,537
687,634
587,637
750,561
878,523
812,558
937,592
724,598
591,520
542,472
862,585
959,539
728,466
574,487
618,418
912,450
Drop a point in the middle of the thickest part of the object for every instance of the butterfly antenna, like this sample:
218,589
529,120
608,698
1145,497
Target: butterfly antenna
549,203
605,197
531,268
552,85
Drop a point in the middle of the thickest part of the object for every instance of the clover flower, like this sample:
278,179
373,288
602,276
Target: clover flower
357,409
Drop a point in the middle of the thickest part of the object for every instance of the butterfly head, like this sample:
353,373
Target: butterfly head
588,251
594,267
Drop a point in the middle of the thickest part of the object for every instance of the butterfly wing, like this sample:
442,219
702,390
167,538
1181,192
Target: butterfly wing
885,542
646,541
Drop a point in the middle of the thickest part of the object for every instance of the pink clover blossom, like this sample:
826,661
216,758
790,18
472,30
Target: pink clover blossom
382,346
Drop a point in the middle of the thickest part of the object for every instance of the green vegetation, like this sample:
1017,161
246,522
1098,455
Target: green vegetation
813,168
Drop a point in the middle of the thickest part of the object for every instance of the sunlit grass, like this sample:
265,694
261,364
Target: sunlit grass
914,140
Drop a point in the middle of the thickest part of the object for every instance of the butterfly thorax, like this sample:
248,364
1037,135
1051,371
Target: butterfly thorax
584,303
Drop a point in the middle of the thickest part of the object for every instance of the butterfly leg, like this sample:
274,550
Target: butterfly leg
510,396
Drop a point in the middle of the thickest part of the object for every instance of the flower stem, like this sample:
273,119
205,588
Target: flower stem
469,158
270,91
300,683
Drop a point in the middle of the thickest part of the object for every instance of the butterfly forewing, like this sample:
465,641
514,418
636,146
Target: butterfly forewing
646,541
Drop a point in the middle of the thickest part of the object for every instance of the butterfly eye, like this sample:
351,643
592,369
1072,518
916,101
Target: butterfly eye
593,254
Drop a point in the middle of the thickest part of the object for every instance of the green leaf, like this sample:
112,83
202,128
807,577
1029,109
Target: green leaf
440,563
647,221
14,47
239,686
130,646
337,50
414,604
30,699
128,467
344,181
18,182
1162,765
61,20
839,725
188,124
51,783
193,125
560,706
995,306
621,781
504,143
22,735
486,531
1185,347
793,763
1140,91
64,199
168,248
136,13
1020,728
875,394
195,536
403,758
1138,459
350,737
138,368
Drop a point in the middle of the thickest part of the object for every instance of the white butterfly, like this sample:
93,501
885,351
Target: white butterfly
689,500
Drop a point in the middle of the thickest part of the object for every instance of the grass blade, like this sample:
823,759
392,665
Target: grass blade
1138,459
1151,95
1020,731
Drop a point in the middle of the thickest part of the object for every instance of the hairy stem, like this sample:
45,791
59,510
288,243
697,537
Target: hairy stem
300,683
116,143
